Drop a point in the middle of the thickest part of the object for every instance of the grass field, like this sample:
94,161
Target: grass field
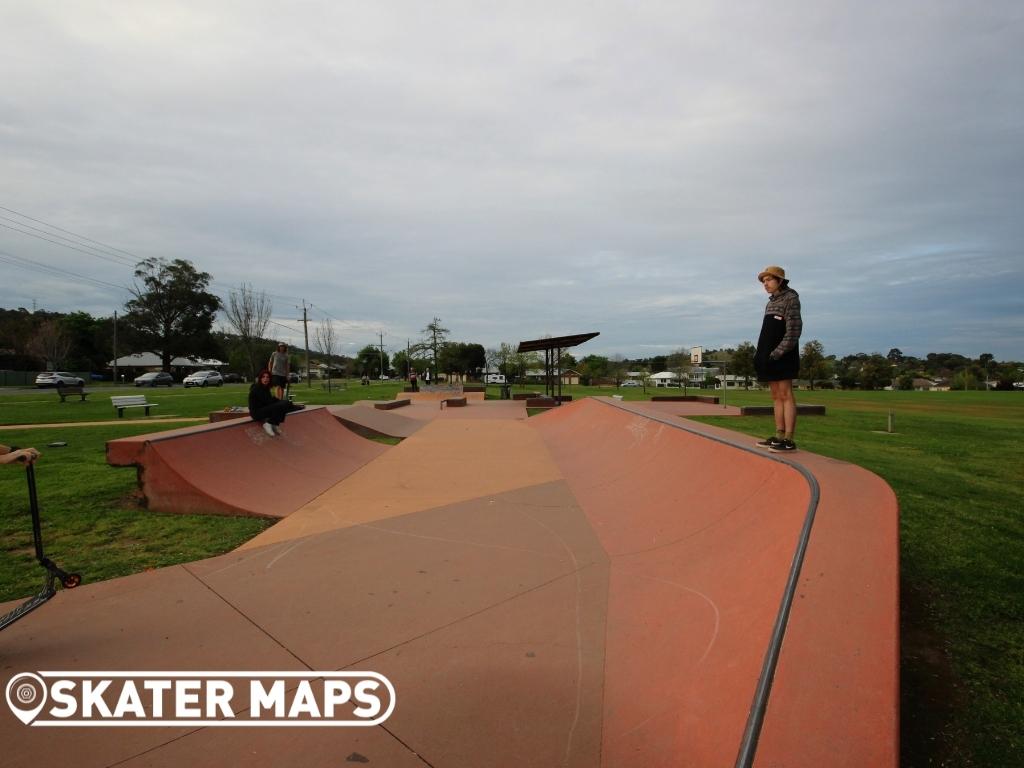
955,461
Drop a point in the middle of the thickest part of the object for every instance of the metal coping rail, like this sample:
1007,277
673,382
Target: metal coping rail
759,704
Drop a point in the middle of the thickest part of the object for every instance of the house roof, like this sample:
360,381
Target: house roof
665,375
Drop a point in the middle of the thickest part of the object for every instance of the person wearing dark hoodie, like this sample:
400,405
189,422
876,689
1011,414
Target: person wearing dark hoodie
263,406
777,359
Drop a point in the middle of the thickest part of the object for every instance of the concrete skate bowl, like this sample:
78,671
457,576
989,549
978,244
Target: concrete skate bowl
235,468
594,586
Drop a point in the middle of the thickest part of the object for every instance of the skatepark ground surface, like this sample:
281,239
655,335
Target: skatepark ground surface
605,584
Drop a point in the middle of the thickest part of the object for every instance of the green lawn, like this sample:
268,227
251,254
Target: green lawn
955,462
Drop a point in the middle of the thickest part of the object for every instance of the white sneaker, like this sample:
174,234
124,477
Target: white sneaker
269,428
277,429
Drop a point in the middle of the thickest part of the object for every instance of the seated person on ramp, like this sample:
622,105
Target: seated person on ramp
263,406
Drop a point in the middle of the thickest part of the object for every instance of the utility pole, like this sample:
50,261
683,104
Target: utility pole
305,330
115,347
382,354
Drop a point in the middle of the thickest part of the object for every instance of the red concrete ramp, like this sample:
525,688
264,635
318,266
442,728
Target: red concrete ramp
596,586
235,468
701,537
364,420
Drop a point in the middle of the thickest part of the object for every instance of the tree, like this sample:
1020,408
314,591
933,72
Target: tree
593,368
369,361
434,337
875,373
172,313
50,344
743,362
813,366
248,313
456,357
325,340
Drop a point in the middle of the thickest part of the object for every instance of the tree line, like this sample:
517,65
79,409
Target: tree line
171,313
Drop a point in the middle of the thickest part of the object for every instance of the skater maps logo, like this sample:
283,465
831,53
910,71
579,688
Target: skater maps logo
172,699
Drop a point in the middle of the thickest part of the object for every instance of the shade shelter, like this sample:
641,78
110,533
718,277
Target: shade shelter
552,348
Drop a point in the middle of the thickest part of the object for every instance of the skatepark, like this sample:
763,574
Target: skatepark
602,584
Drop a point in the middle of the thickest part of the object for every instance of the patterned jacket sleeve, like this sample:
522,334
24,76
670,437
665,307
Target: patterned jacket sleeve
794,326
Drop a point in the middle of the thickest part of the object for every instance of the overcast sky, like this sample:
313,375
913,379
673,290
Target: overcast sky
529,168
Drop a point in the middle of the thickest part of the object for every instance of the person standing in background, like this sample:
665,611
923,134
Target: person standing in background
777,359
279,367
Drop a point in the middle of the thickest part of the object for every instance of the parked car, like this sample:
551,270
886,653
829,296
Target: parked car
58,379
495,378
294,378
203,379
630,383
232,378
155,379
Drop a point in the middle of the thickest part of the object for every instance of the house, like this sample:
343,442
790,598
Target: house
568,376
130,366
665,379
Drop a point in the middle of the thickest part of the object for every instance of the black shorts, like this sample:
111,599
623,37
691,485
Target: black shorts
785,368
278,381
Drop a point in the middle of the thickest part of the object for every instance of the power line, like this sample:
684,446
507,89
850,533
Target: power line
64,245
69,232
119,260
17,261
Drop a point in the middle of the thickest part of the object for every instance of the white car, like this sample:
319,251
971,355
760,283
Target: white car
203,379
58,379
495,378
630,383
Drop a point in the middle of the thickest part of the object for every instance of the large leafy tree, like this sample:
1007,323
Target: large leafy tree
171,313
813,365
371,361
461,358
743,362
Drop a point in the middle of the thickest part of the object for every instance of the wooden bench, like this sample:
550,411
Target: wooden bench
454,402
130,401
391,404
76,389
767,410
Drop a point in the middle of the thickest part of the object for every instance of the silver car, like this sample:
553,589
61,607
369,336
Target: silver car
203,379
58,379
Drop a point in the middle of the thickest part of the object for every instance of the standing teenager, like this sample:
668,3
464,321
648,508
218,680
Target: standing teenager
279,367
777,360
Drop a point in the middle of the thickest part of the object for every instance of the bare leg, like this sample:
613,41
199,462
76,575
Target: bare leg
784,402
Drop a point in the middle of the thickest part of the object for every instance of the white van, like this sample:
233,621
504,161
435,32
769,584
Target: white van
494,378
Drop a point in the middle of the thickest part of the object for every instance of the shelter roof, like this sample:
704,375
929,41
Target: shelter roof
556,342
